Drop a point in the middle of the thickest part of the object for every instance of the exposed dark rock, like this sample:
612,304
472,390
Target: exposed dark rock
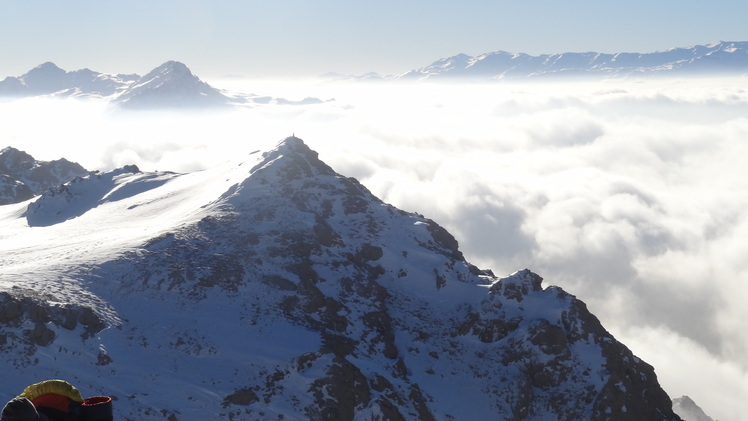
103,358
338,345
370,253
445,240
13,191
380,322
420,403
326,235
339,394
225,271
11,309
548,338
16,309
41,334
241,397
388,410
279,282
22,177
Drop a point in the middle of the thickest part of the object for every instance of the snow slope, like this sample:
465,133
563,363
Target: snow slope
275,288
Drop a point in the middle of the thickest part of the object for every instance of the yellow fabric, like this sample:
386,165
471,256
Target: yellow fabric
60,387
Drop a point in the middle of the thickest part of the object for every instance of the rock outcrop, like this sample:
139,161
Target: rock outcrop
23,177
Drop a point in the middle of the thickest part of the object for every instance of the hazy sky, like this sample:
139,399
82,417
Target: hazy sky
304,37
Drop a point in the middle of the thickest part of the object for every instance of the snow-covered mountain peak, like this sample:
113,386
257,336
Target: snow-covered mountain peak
276,288
47,68
524,281
726,45
45,78
297,159
13,160
171,85
169,70
688,410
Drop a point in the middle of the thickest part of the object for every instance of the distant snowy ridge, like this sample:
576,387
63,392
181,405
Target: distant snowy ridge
48,79
716,58
169,86
276,288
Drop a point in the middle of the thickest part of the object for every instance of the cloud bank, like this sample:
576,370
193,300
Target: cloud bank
629,194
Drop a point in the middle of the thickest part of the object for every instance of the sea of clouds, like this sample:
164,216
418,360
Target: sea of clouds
630,194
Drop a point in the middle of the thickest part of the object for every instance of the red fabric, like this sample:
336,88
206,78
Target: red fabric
96,400
54,401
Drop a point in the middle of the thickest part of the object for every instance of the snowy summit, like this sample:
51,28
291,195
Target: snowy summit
276,288
171,85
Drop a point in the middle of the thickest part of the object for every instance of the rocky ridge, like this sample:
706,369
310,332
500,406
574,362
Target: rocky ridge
22,177
283,290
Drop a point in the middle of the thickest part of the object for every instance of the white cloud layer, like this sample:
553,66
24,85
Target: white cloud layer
629,194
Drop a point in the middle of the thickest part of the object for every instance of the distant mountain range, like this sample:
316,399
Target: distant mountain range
171,85
716,58
275,288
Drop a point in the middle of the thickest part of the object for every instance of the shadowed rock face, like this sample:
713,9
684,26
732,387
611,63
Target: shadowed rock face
401,325
22,177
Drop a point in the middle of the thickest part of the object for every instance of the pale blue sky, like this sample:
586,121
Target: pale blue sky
308,37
